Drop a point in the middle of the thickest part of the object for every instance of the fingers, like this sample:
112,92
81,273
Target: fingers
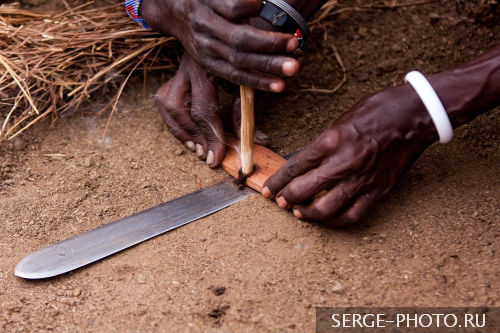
240,53
237,76
305,187
236,9
305,160
355,213
244,37
204,113
326,206
277,65
173,98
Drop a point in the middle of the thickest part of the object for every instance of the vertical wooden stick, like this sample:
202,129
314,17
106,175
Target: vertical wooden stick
247,125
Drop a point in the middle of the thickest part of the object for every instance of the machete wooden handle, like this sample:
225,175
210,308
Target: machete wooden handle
266,163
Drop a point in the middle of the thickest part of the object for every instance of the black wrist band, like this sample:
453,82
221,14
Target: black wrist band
285,18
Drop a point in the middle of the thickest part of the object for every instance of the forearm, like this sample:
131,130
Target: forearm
470,89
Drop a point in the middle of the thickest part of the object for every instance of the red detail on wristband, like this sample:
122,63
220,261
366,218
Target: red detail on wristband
131,12
298,34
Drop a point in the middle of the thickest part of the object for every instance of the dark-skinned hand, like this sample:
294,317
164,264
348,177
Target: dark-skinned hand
212,33
337,179
188,104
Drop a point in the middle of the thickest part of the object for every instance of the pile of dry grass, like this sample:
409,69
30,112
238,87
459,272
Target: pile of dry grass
51,63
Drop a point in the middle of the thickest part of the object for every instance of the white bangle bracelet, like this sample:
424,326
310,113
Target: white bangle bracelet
432,104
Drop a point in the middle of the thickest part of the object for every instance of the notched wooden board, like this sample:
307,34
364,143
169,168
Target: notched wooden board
266,163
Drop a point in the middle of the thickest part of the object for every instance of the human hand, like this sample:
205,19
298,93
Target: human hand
239,53
354,163
188,104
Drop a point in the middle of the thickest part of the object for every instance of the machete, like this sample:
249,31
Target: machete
96,244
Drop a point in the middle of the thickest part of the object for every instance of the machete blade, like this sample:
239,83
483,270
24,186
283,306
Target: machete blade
108,239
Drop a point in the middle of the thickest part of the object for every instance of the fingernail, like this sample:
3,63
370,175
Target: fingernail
297,213
292,45
190,145
289,68
276,87
199,150
266,192
210,157
282,202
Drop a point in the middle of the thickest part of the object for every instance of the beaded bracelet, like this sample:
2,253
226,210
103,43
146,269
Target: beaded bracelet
132,8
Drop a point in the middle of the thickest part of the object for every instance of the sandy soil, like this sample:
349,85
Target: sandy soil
253,267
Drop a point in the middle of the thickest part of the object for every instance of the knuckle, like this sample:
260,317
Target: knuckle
236,76
293,193
175,113
203,42
165,103
290,169
330,141
269,65
232,8
348,219
239,40
322,213
234,57
197,20
277,44
208,64
200,43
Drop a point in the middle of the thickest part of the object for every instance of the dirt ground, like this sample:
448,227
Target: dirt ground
253,267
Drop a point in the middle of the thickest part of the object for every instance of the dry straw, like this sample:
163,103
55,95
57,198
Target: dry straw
51,63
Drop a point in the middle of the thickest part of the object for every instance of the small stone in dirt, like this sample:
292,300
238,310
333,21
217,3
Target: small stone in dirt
54,312
434,18
179,152
218,291
337,287
386,67
77,292
141,279
87,162
141,311
15,308
218,312
68,301
256,319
